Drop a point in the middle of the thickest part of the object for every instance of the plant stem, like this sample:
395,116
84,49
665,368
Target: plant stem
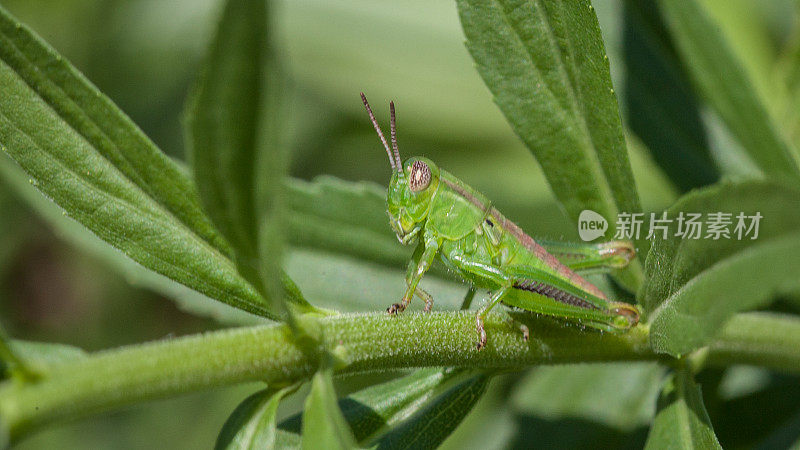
365,342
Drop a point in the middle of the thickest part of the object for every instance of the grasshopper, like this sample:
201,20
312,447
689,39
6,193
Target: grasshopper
453,222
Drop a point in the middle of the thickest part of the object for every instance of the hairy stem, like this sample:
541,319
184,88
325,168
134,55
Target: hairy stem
365,342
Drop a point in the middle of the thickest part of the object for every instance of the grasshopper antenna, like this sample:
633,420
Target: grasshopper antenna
380,133
393,126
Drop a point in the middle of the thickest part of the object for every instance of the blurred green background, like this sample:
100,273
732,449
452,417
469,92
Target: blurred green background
145,54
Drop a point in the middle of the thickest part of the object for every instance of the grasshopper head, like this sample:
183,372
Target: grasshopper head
409,197
412,186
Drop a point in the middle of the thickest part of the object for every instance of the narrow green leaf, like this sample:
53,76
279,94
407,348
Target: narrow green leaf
788,67
681,420
721,78
490,423
187,299
222,118
674,261
694,314
439,417
323,423
752,39
232,128
419,410
251,426
621,396
661,107
81,151
545,63
694,285
749,332
42,356
11,364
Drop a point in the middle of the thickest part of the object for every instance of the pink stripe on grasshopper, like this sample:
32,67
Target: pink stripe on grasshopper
529,243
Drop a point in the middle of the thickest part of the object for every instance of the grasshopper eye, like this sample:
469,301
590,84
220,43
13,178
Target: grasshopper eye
420,176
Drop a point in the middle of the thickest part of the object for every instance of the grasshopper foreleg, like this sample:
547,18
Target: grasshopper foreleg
420,263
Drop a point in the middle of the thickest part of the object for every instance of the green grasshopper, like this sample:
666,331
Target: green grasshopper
457,224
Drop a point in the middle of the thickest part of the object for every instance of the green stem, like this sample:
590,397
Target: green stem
366,342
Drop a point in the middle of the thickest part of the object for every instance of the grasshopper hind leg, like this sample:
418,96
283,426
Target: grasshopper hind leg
425,297
496,298
526,333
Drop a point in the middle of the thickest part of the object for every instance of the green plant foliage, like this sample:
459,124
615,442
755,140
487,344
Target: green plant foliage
222,122
316,219
233,131
741,329
709,92
73,232
86,155
434,422
323,423
687,278
750,426
343,217
689,318
681,420
10,362
545,59
721,78
252,425
47,354
415,411
662,109
620,396
672,262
